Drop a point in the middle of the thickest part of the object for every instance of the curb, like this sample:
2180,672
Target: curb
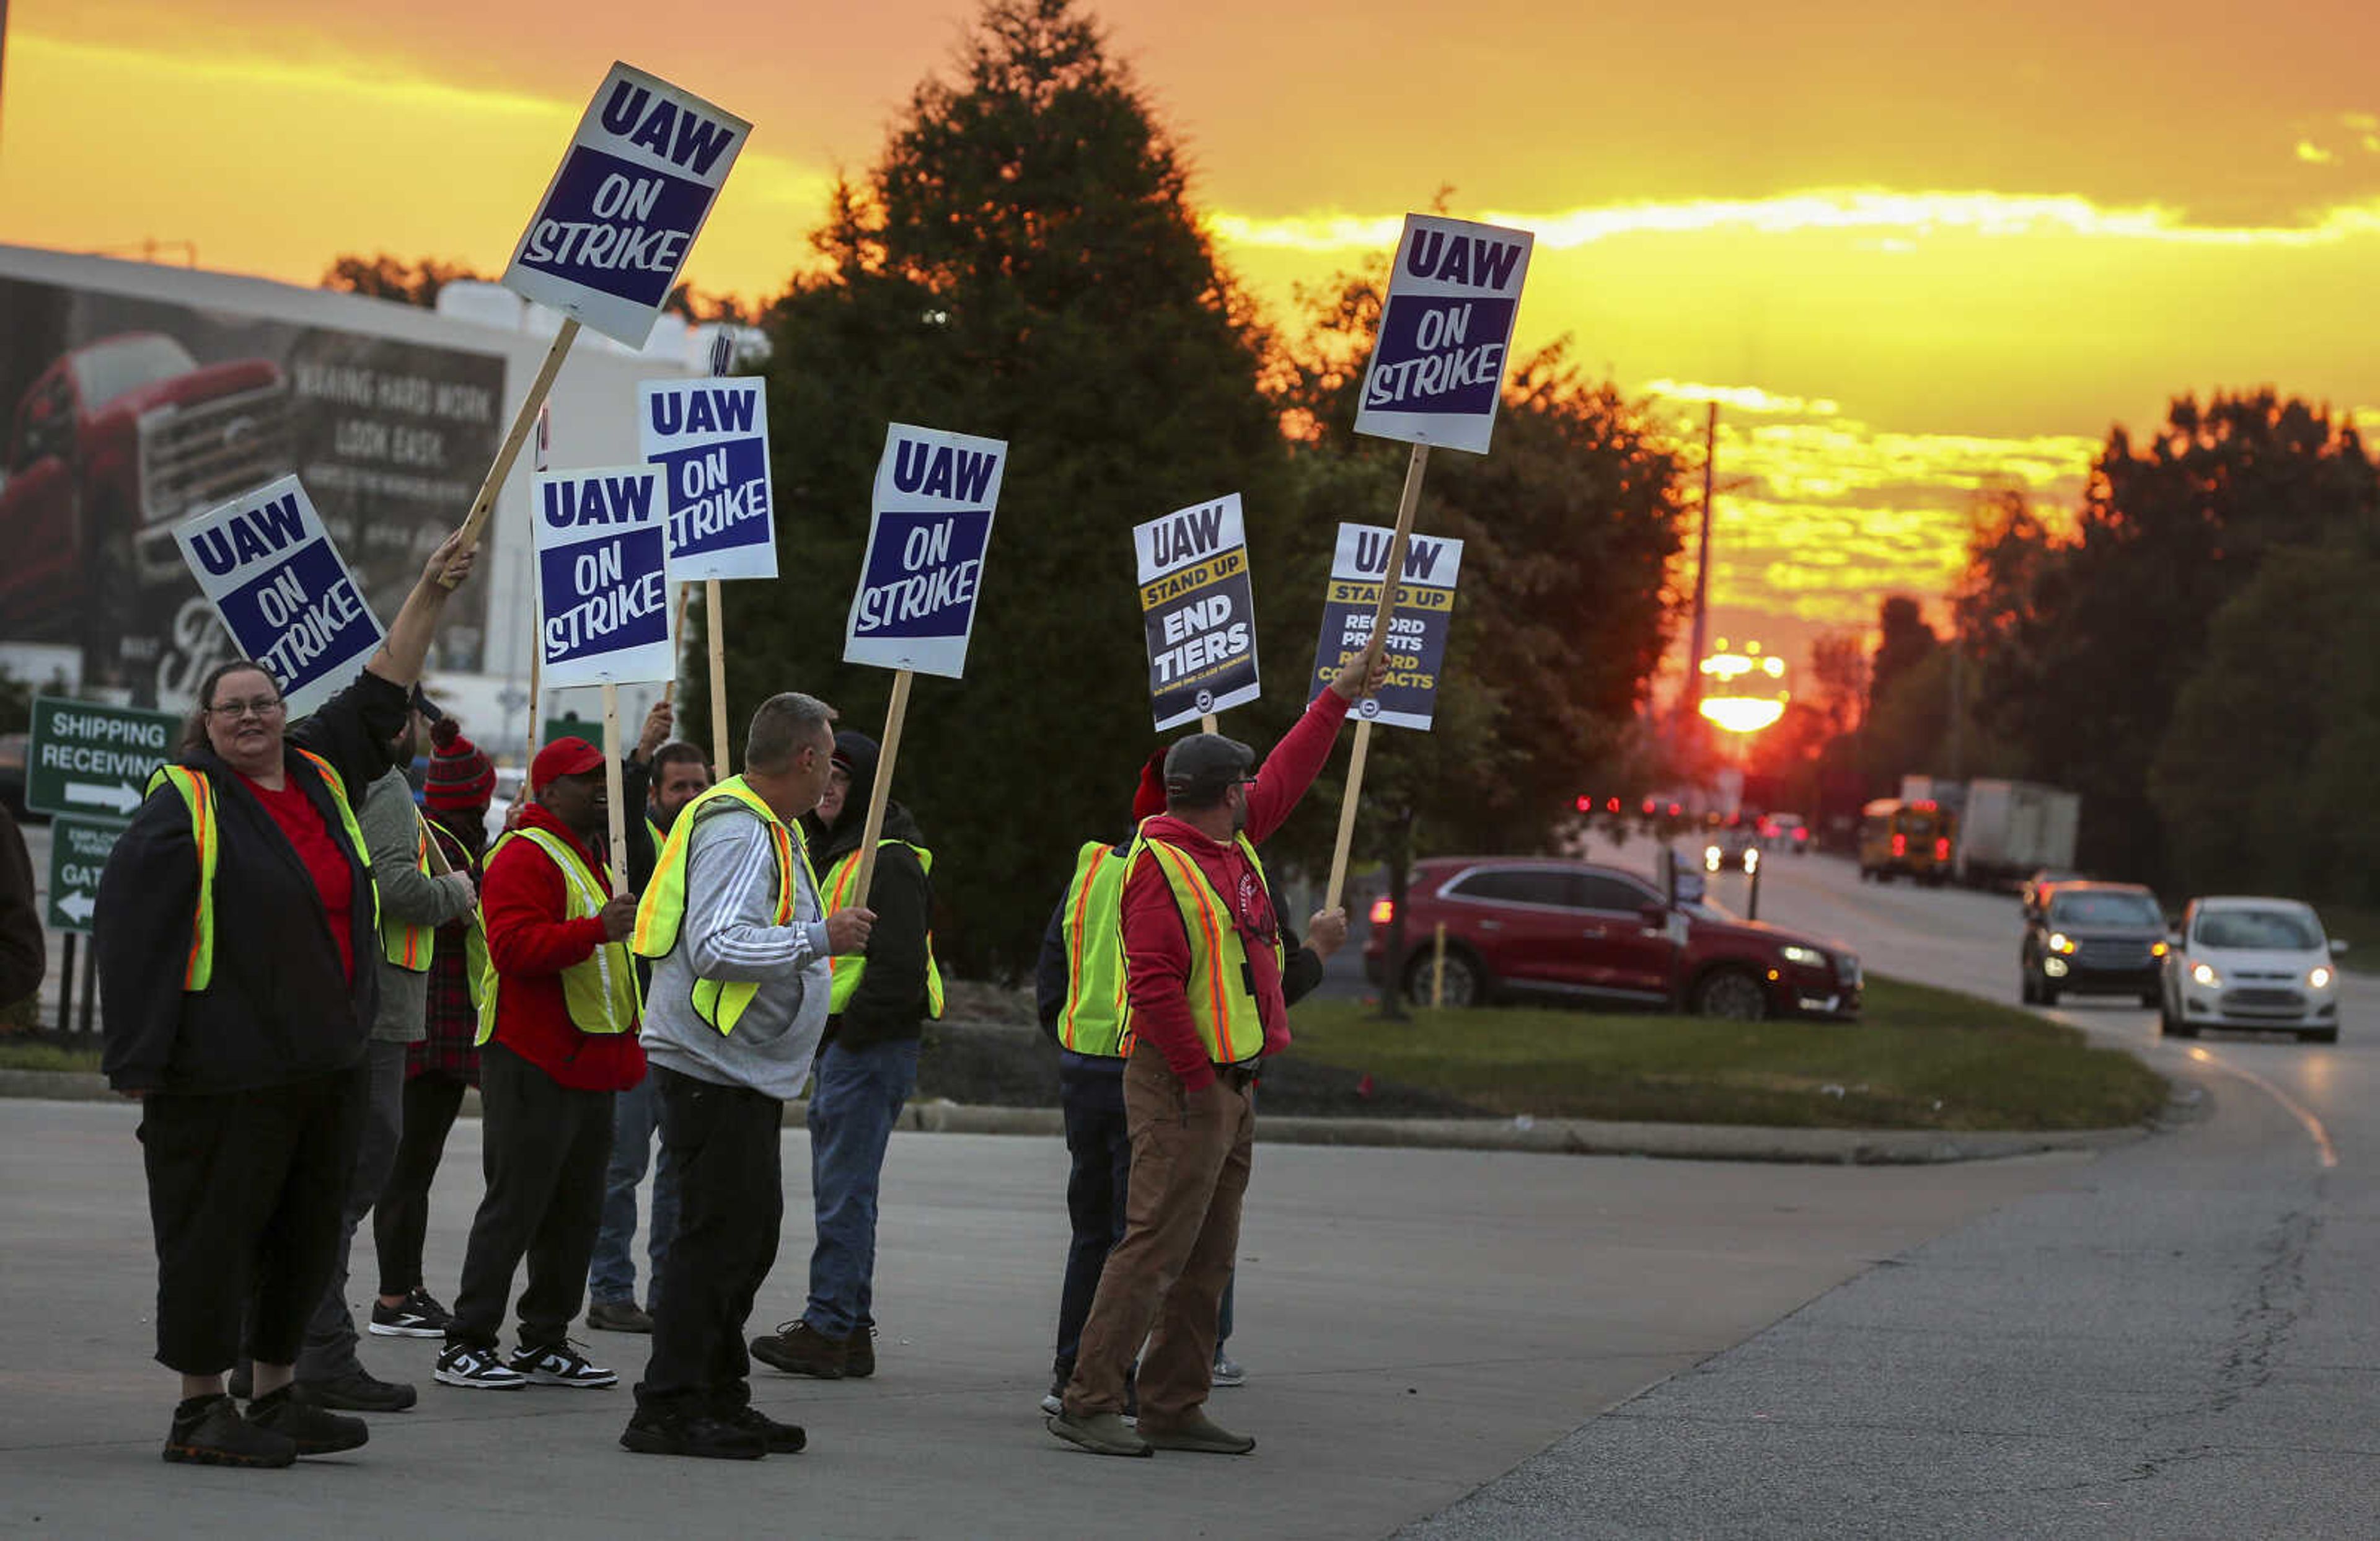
1691,1141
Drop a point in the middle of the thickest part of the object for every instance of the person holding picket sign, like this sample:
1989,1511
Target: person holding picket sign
739,940
1203,964
246,865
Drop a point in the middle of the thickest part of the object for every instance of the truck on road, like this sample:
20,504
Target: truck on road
2010,829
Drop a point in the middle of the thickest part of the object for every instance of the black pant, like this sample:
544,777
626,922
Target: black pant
401,1219
722,1142
1101,1148
544,1149
246,1194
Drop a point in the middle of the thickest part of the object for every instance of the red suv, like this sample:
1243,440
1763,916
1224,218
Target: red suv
1548,926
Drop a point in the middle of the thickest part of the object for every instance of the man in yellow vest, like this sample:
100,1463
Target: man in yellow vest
739,940
878,1007
557,1039
1203,981
413,903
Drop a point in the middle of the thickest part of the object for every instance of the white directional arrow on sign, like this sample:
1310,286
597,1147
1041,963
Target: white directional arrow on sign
122,798
78,907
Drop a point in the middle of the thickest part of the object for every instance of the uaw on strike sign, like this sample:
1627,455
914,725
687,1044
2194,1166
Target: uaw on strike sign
1446,329
709,439
1417,630
928,531
632,191
602,584
1199,608
266,563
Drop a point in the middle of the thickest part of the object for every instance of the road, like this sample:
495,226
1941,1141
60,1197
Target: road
2178,1339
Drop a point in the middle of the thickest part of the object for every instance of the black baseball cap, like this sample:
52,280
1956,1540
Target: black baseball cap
1205,764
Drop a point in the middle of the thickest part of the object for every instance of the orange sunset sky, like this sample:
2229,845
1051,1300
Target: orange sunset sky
1911,246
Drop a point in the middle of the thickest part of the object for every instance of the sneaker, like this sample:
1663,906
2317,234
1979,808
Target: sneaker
781,1439
1226,1372
311,1430
562,1365
477,1368
1100,1432
859,1352
1198,1433
209,1431
417,1317
797,1348
698,1435
1055,1403
618,1315
359,1391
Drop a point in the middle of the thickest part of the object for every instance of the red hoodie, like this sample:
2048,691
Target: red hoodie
1156,945
531,943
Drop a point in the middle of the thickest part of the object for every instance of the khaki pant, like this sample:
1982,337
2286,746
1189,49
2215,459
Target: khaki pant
1164,1282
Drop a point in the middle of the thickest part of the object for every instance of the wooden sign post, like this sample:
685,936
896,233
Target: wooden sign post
615,793
1417,467
872,833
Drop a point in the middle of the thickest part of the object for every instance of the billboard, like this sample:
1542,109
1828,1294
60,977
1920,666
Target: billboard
125,416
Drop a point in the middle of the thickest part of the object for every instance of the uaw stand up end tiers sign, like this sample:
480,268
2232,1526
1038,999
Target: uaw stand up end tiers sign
1200,610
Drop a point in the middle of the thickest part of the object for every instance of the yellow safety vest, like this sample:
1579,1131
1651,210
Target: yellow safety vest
846,968
1222,1001
403,943
601,990
1094,1021
662,911
199,793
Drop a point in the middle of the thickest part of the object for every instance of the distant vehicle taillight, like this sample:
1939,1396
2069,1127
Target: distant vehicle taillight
1942,850
1802,836
1383,911
1900,846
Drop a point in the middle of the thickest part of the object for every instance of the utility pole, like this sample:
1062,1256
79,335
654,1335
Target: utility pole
1692,699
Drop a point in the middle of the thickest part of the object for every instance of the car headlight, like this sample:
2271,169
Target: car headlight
2204,974
2159,950
2060,942
2320,978
1710,858
1809,955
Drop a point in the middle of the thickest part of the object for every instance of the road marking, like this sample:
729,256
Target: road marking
2327,1154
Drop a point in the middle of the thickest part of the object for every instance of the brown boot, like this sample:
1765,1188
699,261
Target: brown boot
798,1348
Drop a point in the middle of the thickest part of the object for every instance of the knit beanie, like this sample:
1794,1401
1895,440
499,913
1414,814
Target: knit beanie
1149,800
460,779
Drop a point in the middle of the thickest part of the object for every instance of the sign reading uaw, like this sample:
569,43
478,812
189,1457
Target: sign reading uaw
1199,610
630,196
928,529
1446,331
709,439
602,585
267,564
1417,629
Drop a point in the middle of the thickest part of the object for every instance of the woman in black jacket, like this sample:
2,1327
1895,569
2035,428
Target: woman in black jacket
236,1011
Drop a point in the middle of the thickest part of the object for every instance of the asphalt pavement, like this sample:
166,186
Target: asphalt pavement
2178,1338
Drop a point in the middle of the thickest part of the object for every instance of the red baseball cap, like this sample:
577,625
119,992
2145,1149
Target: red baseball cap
564,757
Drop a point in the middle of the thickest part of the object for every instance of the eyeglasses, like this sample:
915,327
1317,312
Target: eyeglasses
264,705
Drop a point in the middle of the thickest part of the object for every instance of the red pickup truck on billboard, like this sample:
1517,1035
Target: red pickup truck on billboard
112,445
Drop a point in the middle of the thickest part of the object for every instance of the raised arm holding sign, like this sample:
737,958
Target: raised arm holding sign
1436,375
929,527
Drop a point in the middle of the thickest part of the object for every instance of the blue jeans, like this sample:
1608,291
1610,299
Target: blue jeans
612,1276
855,1098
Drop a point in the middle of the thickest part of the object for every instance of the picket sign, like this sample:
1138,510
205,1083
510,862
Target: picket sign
723,356
1435,377
1197,611
929,532
267,564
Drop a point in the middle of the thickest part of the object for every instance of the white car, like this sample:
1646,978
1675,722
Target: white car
2251,964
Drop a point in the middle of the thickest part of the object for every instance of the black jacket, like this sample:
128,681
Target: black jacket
1301,966
23,954
277,1009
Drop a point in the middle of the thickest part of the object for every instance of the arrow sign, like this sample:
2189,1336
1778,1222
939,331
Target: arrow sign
78,854
85,758
122,798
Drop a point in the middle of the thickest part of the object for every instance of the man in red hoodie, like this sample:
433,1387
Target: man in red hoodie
557,1039
1202,971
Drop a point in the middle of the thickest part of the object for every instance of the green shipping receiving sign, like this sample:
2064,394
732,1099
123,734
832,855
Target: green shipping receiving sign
78,852
93,761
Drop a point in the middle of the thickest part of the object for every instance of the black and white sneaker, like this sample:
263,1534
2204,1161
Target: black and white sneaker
478,1369
419,1316
562,1365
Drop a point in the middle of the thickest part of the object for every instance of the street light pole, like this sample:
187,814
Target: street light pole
1692,701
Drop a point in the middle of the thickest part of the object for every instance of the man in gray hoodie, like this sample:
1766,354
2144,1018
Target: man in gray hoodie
413,903
739,941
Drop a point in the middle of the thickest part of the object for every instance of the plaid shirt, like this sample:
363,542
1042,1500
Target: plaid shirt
453,1022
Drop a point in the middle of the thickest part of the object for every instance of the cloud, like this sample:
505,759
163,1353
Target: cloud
2314,154
1743,398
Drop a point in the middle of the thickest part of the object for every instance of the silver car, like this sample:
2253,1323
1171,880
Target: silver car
2253,965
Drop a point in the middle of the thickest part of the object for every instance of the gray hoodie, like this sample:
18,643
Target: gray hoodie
392,827
728,935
